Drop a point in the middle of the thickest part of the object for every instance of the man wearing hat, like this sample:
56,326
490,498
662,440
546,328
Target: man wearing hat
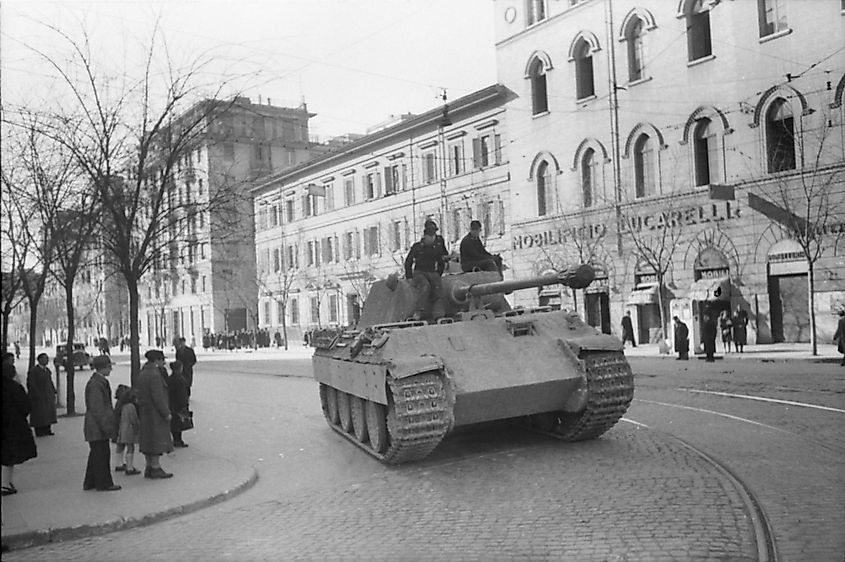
154,411
474,256
99,427
424,265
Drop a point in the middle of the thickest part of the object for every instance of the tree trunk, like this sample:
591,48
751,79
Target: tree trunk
285,325
33,327
814,344
7,311
134,336
68,363
661,305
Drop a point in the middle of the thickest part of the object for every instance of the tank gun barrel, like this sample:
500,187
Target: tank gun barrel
576,277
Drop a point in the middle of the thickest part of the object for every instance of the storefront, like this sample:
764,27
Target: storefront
644,302
788,293
597,301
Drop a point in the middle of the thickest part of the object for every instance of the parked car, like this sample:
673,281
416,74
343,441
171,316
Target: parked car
81,358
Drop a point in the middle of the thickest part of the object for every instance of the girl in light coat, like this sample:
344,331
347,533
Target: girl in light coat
129,430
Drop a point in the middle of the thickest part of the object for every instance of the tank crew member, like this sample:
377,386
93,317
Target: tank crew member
474,256
424,265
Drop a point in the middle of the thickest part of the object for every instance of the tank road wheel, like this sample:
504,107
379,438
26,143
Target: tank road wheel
345,411
328,399
359,417
377,425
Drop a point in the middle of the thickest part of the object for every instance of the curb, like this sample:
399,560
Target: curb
46,536
762,359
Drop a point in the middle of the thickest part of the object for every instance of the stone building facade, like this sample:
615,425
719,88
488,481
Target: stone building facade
326,229
677,145
206,281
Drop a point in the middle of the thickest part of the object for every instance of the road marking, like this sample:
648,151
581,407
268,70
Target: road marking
702,410
636,423
761,399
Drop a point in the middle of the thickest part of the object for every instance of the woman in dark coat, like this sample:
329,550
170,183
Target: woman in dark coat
154,411
739,324
178,391
42,396
18,445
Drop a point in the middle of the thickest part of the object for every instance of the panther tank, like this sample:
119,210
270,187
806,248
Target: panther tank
396,387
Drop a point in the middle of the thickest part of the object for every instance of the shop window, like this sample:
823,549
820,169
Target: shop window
634,37
539,94
771,16
780,136
644,165
584,83
705,153
698,30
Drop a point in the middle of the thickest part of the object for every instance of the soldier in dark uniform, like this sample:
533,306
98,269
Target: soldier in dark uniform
474,256
424,265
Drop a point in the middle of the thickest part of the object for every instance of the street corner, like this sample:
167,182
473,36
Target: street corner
61,512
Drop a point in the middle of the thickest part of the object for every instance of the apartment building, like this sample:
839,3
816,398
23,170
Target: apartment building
673,143
327,228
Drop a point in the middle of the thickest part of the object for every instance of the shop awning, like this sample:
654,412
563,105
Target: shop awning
643,294
711,290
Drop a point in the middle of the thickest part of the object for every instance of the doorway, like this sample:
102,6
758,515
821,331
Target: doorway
789,308
598,311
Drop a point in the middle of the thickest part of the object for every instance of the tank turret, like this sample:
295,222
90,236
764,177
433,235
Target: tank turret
395,387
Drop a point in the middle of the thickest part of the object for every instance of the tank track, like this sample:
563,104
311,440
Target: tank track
420,414
610,389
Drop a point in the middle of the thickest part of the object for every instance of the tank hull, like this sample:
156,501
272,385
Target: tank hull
519,365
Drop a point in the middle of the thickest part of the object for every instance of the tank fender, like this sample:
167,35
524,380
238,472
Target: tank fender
597,342
410,365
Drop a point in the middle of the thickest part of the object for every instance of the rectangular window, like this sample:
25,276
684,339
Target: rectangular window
204,288
292,262
429,171
396,236
267,319
371,241
290,211
370,186
315,310
456,158
535,11
329,196
280,311
328,249
349,190
277,260
392,176
348,245
333,308
771,16
294,311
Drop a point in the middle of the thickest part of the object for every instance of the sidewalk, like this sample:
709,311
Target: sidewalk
827,353
51,506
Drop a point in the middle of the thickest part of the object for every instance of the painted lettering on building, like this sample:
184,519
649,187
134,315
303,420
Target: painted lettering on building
630,222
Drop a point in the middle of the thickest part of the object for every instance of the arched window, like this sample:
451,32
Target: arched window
644,176
698,30
539,94
544,186
780,136
634,37
588,176
706,153
584,85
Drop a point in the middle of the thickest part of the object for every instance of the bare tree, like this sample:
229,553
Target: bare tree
809,205
277,283
15,246
134,139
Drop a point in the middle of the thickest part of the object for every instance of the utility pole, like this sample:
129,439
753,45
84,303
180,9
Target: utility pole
614,122
441,140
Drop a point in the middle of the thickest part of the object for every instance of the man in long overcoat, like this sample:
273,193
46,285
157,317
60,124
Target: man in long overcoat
100,426
154,411
186,355
708,337
681,339
42,396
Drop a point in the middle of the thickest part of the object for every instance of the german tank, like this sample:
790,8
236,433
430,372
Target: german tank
395,387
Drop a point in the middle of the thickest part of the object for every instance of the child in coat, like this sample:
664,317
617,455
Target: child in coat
129,429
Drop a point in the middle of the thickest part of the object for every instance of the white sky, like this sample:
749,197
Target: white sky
355,62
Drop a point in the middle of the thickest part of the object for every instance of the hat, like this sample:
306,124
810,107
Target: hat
430,224
154,355
101,361
475,225
432,230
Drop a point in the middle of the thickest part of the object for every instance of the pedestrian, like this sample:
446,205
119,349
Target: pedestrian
424,265
474,256
725,328
178,395
839,336
739,324
681,339
708,337
18,445
99,427
628,329
42,396
154,411
128,429
188,358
